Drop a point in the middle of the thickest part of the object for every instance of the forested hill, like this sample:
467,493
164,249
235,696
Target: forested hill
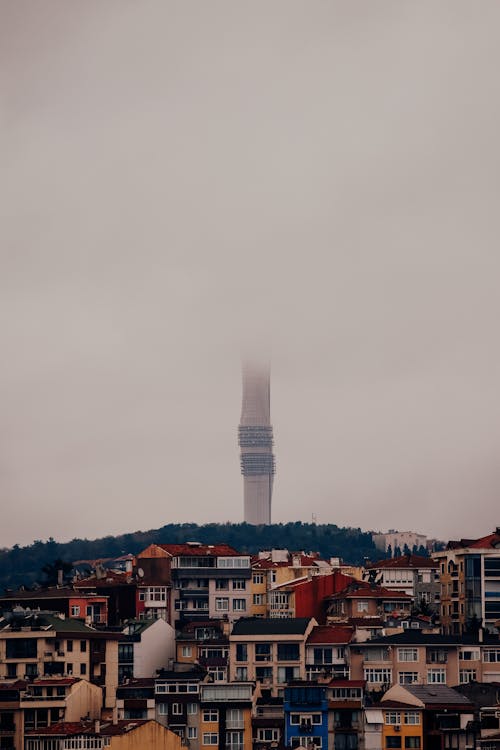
23,565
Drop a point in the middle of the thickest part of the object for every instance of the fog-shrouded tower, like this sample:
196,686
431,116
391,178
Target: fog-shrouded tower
256,444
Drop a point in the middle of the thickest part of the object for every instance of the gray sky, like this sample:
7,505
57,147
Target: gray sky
183,182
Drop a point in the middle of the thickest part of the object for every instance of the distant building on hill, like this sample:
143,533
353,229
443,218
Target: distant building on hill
404,541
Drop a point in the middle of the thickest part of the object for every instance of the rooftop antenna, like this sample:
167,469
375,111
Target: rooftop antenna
314,518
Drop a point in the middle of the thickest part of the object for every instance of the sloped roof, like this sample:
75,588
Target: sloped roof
330,634
271,626
364,590
205,550
489,541
404,562
438,694
73,728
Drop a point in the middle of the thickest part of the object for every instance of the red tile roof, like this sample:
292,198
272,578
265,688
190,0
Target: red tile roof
330,634
491,541
403,562
366,622
53,681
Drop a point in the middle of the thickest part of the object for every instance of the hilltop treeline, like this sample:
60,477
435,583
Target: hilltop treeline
23,565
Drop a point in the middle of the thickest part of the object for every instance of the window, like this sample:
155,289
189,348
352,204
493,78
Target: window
437,656
258,578
467,675
210,714
142,596
83,669
407,654
491,655
436,676
393,717
210,738
192,709
268,735
378,676
241,674
469,654
75,610
163,709
392,742
288,652
217,674
176,709
362,605
234,718
12,669
222,604
83,646
259,599
221,584
186,651
69,668
412,742
239,605
412,717
234,740
285,674
264,673
239,584
407,678
241,652
69,645
299,741
262,652
192,733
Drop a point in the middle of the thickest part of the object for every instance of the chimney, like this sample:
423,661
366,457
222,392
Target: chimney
60,577
97,726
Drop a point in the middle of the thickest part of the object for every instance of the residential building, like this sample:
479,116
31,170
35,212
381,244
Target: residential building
362,599
226,716
346,700
85,735
34,644
268,722
327,652
416,575
305,597
148,645
436,716
255,437
135,699
119,588
470,584
207,644
177,697
270,651
306,716
399,540
70,602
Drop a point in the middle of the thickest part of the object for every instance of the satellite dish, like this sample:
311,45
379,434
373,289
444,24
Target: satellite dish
140,572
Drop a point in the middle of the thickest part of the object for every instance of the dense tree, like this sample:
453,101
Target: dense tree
24,565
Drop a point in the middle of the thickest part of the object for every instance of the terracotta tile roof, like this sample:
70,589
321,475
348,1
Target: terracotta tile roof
366,622
403,562
109,578
491,541
330,634
54,681
16,685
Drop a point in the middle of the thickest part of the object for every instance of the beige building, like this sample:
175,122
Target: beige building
120,735
269,651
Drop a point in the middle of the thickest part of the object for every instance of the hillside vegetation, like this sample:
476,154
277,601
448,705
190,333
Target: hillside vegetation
23,565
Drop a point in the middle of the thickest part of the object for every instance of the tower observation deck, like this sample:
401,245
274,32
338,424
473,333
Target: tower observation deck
256,444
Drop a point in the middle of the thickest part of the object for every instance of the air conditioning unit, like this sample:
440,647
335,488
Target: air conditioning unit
497,714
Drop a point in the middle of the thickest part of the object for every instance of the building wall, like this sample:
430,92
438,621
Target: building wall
153,651
258,588
149,735
83,699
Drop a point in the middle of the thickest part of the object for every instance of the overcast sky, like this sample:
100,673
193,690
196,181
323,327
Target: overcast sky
185,182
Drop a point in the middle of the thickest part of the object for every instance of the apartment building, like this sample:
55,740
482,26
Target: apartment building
435,717
268,721
34,644
207,644
415,657
92,608
415,575
399,540
306,716
362,599
346,701
305,597
226,716
147,645
470,584
270,651
119,588
327,651
25,706
177,697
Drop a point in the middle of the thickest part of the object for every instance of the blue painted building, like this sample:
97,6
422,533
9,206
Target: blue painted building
306,716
